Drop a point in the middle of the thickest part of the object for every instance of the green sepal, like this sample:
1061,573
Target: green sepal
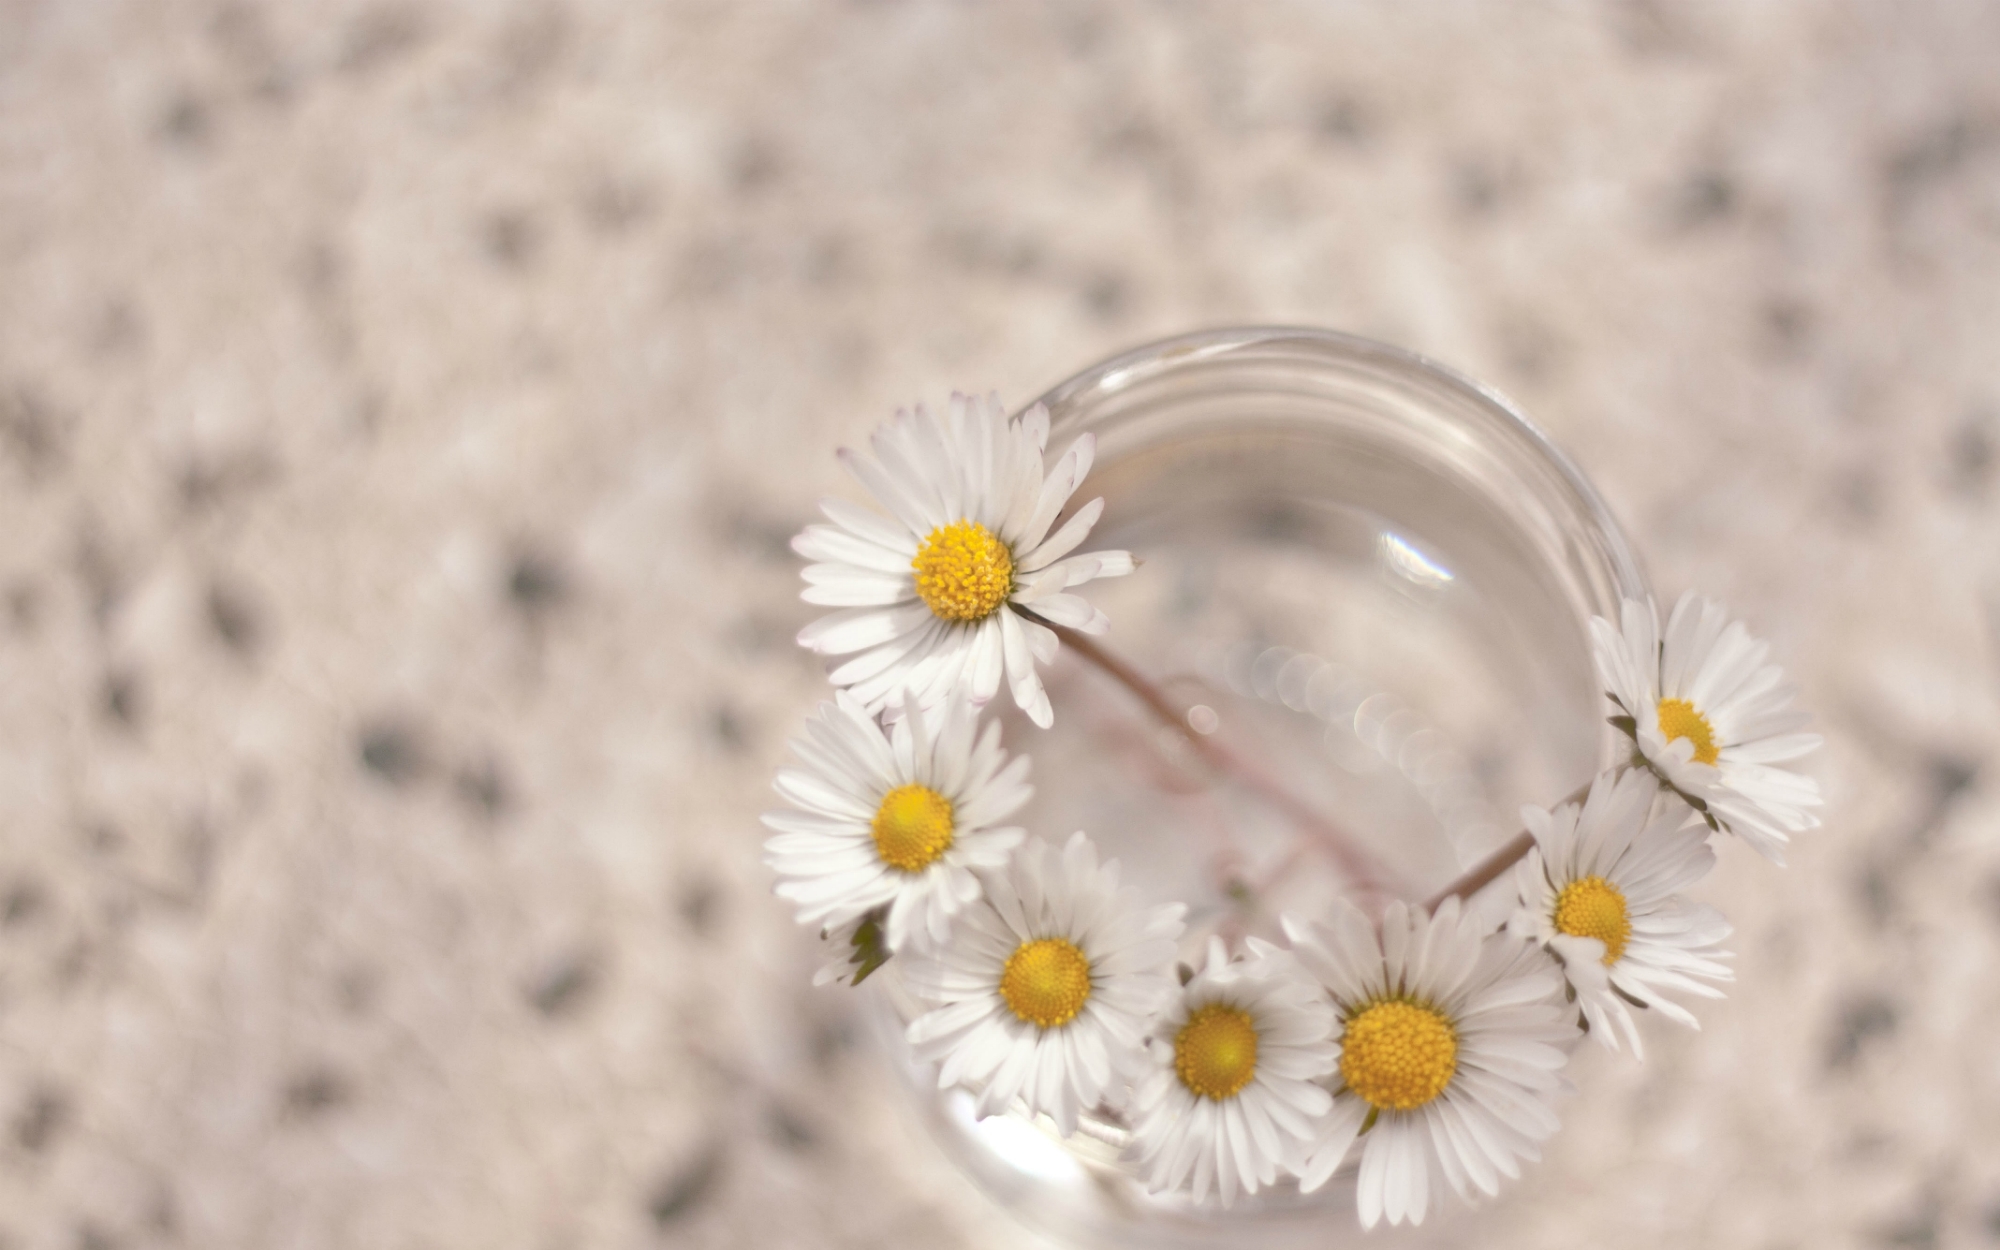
870,951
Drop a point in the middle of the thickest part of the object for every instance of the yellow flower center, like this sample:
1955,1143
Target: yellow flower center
963,571
1398,1055
912,827
1593,907
1215,1052
1678,719
1046,981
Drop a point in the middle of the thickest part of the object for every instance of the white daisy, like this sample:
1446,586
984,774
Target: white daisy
1598,890
1710,717
953,589
1231,1094
1047,984
1450,1051
896,819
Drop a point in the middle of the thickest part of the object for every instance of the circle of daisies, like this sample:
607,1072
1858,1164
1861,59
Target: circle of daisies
1421,1045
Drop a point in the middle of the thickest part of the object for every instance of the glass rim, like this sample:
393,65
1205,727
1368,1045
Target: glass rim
1146,361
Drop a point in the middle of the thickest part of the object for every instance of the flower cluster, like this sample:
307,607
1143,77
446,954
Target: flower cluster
1420,1046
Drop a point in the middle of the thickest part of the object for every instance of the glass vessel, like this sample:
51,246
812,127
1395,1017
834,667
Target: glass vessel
1370,580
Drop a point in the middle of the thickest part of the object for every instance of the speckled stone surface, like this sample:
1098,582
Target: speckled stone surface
403,409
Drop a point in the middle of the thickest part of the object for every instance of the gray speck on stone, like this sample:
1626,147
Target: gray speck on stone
564,986
23,900
790,1129
393,750
1705,197
381,35
1865,1018
123,704
314,1092
482,786
1971,454
682,1192
235,618
33,432
699,903
537,581
42,1120
187,122
729,728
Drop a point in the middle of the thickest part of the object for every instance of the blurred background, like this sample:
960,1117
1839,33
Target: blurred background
404,407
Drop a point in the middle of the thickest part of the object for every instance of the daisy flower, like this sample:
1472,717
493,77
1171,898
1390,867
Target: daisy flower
1598,890
1710,717
951,588
1047,984
1231,1095
1450,1050
896,820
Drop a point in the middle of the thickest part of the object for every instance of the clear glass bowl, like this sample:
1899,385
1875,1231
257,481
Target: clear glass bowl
1371,579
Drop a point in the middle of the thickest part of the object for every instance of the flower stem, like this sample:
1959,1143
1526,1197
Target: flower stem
1355,863
1488,870
1485,872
